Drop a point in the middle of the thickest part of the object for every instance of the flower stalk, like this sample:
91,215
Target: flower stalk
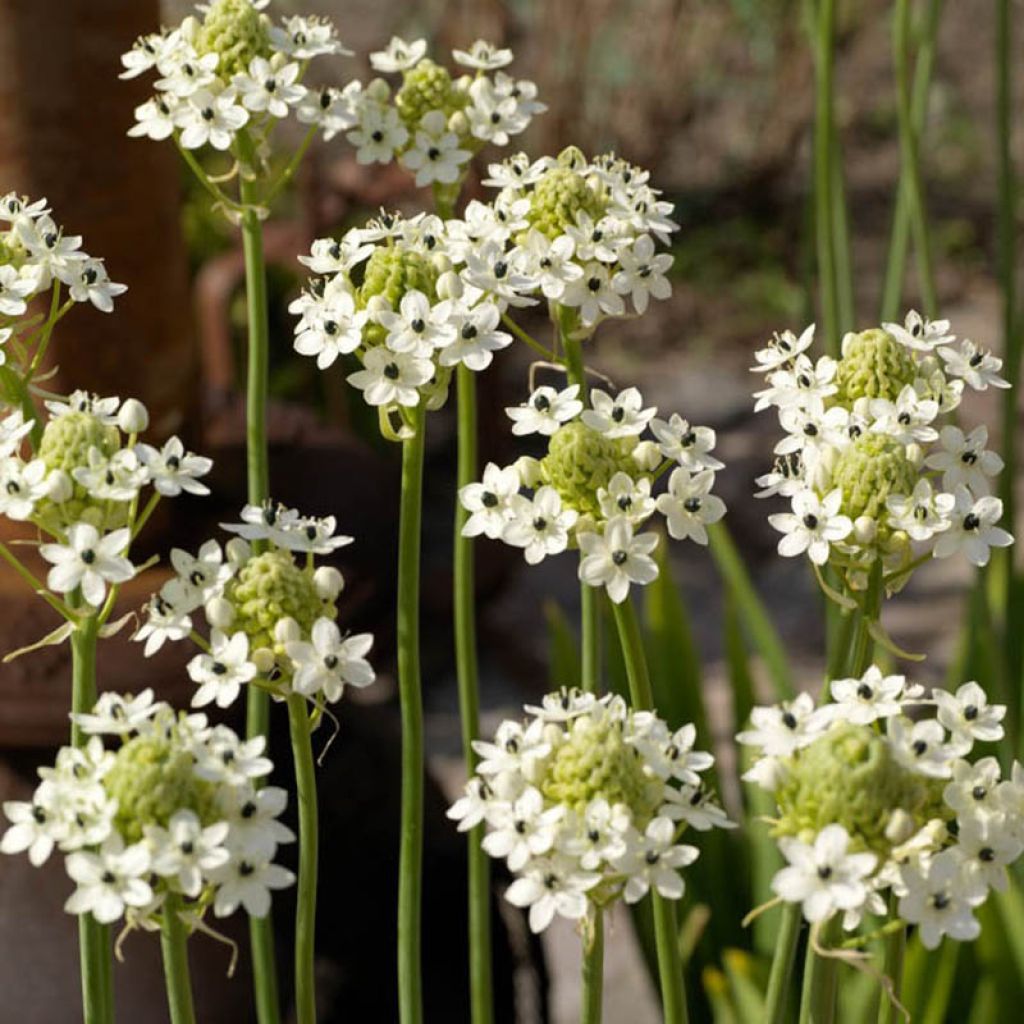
174,946
821,981
782,964
593,970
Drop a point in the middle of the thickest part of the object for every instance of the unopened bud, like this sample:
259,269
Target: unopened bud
220,612
328,582
133,417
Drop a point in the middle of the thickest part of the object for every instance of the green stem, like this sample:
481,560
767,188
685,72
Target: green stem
818,998
15,392
892,967
782,964
666,933
467,673
174,945
410,867
305,911
845,300
593,971
525,338
861,648
575,371
911,164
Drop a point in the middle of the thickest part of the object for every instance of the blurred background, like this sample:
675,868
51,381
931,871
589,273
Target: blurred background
716,98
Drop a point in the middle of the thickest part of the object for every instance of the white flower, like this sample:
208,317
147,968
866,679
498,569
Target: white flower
22,484
935,900
923,514
88,561
208,118
977,367
253,816
604,835
267,88
642,276
118,478
622,416
224,758
306,38
550,886
545,410
782,349
972,528
333,328
616,558
823,877
116,714
399,55
167,618
269,521
488,502
155,119
186,851
493,116
330,662
186,74
965,460
780,730
655,862
919,333
867,699
812,526
522,830
551,262
968,715
310,535
221,673
921,746
539,525
13,291
477,338
205,573
693,804
908,419
689,506
32,829
90,283
593,295
483,56
469,810
380,133
247,881
514,748
330,256
499,273
690,446
434,155
974,789
110,880
625,497
172,469
802,385
417,327
389,378
986,845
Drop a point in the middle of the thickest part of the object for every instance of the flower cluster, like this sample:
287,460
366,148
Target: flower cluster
271,617
871,800
586,800
869,466
173,810
433,123
231,70
594,487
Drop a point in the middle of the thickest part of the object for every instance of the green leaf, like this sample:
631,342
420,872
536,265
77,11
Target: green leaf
746,985
564,651
716,986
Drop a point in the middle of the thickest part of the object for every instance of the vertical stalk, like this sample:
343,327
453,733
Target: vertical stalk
305,911
174,946
93,937
845,298
818,998
467,672
862,646
410,866
892,967
782,964
909,153
261,933
666,933
593,971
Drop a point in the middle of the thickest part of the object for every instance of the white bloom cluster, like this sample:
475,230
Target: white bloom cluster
433,123
586,801
594,487
271,619
871,800
231,69
174,809
867,463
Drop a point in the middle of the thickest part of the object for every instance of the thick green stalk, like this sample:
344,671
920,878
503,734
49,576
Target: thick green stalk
305,910
261,934
666,932
410,867
174,946
821,982
911,164
845,299
892,968
467,671
782,964
861,649
593,971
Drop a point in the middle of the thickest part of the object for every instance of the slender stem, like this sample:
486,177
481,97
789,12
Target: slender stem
909,152
305,911
410,867
845,300
782,964
666,933
526,339
593,971
575,371
174,945
467,673
892,967
861,646
818,998
37,588
293,165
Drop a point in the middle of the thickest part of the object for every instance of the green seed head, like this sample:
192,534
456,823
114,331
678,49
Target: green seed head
236,32
874,365
868,471
392,271
426,87
559,197
580,461
153,777
595,762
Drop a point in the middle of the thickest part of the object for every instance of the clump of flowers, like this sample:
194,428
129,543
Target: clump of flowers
594,487
586,800
872,462
870,800
174,809
270,611
228,74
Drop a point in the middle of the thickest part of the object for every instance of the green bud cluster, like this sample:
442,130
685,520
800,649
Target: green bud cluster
236,32
559,197
153,777
426,87
868,471
874,365
580,461
594,762
391,271
851,777
268,588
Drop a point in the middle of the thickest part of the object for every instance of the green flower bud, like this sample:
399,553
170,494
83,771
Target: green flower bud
426,87
868,471
596,762
236,32
851,777
391,271
559,197
580,461
874,365
153,777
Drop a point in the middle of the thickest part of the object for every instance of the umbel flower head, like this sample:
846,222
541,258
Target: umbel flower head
594,487
872,462
586,801
271,613
870,800
172,808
